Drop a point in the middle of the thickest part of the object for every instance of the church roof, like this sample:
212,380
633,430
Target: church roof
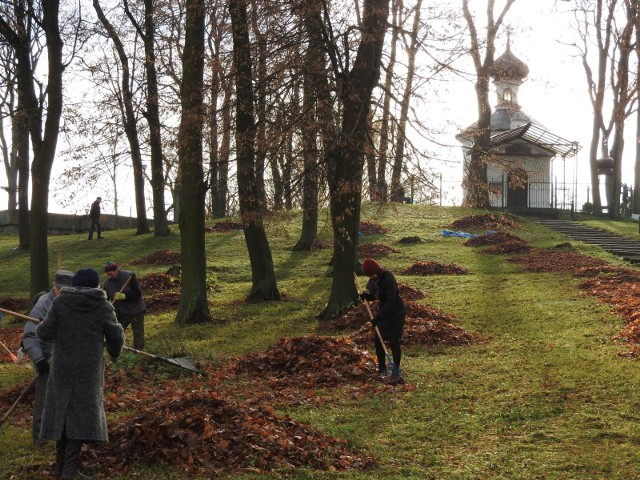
539,136
509,67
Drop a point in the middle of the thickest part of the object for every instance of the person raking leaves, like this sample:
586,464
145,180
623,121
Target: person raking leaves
80,321
123,289
382,286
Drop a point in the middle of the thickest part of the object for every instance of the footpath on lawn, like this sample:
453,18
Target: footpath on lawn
514,368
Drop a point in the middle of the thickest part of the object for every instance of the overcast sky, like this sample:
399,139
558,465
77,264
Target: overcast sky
554,93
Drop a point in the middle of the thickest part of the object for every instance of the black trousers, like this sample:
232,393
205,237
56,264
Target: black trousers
137,326
396,353
95,225
67,453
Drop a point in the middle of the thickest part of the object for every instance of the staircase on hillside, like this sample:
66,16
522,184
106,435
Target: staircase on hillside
625,248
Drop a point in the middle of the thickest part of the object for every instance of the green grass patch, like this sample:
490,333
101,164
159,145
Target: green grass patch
545,397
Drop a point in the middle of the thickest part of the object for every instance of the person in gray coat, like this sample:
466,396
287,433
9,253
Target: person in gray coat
80,321
40,352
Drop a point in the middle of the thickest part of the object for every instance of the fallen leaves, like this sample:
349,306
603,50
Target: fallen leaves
371,228
434,268
489,221
159,257
375,250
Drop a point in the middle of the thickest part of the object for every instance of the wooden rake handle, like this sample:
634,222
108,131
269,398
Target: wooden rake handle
384,346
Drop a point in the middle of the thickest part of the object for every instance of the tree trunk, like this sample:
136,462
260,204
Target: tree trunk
193,307
130,124
20,141
345,160
263,276
45,150
380,185
160,223
398,161
222,189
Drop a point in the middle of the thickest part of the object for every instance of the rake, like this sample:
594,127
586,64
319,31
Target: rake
14,359
6,415
180,362
390,364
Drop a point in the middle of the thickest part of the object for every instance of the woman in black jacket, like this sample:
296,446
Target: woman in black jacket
390,317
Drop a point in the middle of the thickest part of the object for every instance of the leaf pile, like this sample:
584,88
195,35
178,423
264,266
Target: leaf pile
407,292
424,331
509,247
434,268
492,239
203,433
413,239
160,257
546,260
309,362
622,291
225,226
358,317
375,250
488,221
370,228
15,304
11,337
162,302
159,281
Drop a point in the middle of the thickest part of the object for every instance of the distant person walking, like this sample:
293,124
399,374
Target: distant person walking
40,352
123,290
80,321
94,216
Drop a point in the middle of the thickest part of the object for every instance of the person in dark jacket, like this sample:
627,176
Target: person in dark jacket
123,290
40,352
382,286
80,321
94,216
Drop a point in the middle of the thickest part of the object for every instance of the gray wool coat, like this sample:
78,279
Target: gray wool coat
80,321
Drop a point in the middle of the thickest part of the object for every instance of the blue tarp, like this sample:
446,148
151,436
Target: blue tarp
449,233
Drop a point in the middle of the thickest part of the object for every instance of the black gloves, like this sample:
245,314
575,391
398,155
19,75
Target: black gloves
42,366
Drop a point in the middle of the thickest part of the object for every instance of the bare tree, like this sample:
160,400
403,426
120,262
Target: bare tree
160,224
129,120
475,180
264,285
345,158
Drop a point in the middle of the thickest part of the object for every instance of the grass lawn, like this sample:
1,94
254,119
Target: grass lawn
545,396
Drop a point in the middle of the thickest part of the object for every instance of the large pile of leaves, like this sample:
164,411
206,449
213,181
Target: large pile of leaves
375,250
407,292
202,430
548,260
309,362
434,268
494,238
160,257
159,281
488,221
370,228
424,325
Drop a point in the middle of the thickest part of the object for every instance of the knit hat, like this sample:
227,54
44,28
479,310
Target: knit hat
110,267
86,277
63,278
370,267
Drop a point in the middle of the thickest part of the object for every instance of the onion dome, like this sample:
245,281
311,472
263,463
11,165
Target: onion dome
509,67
